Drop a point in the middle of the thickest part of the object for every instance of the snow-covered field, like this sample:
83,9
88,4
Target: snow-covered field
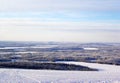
106,74
90,48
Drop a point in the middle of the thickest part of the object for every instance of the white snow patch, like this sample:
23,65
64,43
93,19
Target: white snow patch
90,48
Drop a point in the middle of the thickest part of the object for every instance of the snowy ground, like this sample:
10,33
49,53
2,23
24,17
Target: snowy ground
107,74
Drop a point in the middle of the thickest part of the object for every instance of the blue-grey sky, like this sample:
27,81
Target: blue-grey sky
60,20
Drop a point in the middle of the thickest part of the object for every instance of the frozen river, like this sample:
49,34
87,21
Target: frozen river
106,74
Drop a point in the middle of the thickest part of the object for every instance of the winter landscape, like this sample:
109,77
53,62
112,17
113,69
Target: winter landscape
59,41
106,74
19,62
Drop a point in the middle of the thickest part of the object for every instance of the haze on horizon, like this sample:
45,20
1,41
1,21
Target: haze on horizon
60,20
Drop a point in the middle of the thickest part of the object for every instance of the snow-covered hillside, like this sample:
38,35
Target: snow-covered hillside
107,74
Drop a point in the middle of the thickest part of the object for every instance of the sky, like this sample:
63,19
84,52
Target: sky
60,20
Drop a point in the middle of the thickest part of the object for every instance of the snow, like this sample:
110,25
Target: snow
90,48
106,74
44,46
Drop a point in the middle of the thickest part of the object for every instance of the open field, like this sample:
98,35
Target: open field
106,74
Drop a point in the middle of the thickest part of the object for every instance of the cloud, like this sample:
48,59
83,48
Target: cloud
18,34
60,20
60,26
59,5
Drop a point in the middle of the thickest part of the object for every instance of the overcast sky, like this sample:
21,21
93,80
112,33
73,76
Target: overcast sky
60,20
